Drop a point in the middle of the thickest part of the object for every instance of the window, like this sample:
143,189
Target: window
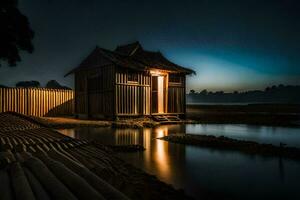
132,77
174,78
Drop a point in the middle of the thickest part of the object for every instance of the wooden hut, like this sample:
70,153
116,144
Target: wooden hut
129,81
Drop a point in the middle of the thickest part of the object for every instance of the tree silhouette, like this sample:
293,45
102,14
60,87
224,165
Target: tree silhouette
28,84
192,92
3,86
53,84
273,94
15,32
203,92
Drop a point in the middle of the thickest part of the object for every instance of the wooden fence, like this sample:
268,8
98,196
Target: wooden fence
37,101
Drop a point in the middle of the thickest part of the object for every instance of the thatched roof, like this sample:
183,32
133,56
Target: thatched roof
131,56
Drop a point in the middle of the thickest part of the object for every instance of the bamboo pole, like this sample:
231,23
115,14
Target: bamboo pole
1,100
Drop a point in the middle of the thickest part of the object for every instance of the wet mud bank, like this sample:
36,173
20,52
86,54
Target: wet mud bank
225,143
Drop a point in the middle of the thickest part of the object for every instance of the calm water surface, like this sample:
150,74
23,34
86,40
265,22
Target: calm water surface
195,169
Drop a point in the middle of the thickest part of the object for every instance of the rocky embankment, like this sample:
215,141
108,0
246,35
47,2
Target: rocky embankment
37,162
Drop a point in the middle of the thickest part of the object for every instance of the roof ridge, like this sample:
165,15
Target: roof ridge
135,49
134,56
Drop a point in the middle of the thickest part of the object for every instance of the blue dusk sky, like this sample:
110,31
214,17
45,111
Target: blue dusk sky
231,44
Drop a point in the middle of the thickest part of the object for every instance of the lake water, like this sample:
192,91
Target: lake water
223,103
198,169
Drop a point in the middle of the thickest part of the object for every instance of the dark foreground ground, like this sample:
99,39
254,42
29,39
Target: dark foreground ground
257,114
37,162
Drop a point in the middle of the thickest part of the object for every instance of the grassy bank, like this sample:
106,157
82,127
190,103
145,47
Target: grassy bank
257,114
225,143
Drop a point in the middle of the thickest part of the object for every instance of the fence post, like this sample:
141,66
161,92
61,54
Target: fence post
1,100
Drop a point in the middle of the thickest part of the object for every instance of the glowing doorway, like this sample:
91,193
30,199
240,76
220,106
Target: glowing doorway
158,95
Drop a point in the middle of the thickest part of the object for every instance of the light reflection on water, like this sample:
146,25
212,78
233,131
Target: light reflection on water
196,169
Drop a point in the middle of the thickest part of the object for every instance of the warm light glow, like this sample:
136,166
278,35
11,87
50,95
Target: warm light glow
161,132
68,132
157,72
154,72
160,94
127,136
161,156
147,145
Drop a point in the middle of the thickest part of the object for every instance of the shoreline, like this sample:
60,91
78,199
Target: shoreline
284,115
226,143
256,120
259,119
281,115
260,114
70,122
53,160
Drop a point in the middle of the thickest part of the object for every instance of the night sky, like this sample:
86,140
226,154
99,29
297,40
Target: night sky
232,45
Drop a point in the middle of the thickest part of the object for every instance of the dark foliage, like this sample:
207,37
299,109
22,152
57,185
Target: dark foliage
28,84
192,91
274,94
53,84
15,32
3,86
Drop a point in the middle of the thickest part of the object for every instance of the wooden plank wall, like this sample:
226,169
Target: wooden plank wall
80,92
176,96
100,91
37,101
94,91
132,98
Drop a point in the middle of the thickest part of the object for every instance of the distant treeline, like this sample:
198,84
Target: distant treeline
274,94
52,84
